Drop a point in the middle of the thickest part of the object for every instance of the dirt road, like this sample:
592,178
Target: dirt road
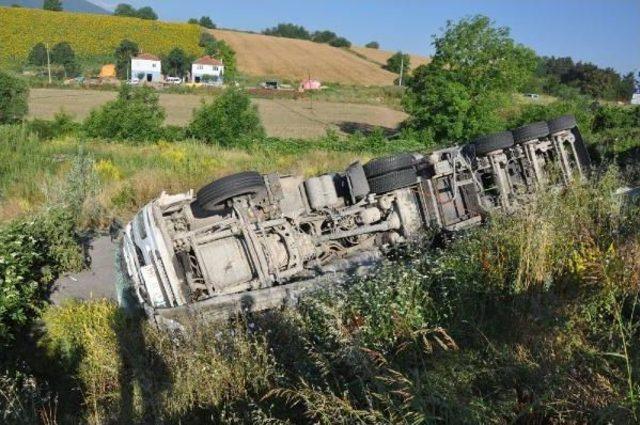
280,117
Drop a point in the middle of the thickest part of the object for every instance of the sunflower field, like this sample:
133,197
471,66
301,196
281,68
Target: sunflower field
89,35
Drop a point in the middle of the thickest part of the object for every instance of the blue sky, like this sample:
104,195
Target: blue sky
606,32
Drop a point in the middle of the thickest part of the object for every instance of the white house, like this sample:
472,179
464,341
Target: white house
146,67
207,70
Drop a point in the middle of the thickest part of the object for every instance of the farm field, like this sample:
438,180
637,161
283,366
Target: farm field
89,35
287,58
381,56
280,117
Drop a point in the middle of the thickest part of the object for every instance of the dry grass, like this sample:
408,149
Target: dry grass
263,55
280,117
381,56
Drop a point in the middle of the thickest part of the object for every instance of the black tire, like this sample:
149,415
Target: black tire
393,180
536,130
493,142
565,122
380,166
225,188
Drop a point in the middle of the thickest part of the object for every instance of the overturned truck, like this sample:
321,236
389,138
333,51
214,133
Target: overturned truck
251,242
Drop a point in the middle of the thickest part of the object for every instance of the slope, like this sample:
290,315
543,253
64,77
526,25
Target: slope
381,56
266,56
83,6
90,35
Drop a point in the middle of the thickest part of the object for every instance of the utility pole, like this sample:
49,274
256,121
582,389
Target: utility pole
48,62
310,94
401,68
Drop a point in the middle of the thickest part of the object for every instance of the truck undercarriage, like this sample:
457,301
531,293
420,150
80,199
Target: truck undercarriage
252,242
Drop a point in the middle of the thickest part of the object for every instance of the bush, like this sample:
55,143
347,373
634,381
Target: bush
61,125
135,115
608,117
372,45
230,120
33,251
14,94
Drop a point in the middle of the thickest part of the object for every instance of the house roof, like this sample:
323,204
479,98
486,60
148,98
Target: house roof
147,56
207,60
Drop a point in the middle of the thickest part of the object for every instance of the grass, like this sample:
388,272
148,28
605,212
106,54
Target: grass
128,176
499,325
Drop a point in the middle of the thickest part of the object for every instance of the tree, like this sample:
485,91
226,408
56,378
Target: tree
372,45
14,94
176,62
147,13
398,60
229,120
475,69
340,42
134,115
63,54
38,55
193,21
123,54
124,9
289,31
53,5
324,36
221,50
206,22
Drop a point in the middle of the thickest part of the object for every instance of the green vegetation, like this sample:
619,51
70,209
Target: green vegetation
13,98
219,49
397,61
123,54
52,5
124,9
499,325
475,69
228,120
372,45
555,75
176,63
288,30
62,54
206,22
135,115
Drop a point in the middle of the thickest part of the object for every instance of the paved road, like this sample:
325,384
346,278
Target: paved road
96,282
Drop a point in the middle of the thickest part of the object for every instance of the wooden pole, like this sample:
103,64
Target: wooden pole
48,63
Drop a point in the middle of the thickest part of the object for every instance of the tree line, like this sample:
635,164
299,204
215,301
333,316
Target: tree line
289,30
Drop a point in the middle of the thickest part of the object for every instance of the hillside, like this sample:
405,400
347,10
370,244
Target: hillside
83,6
266,56
88,34
381,56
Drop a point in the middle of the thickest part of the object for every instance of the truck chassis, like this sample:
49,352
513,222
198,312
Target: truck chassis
249,242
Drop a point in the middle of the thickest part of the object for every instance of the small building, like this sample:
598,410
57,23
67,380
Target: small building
207,70
310,84
146,68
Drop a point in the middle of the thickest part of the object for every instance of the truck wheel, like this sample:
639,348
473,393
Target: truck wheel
536,130
493,142
379,166
393,180
225,188
565,122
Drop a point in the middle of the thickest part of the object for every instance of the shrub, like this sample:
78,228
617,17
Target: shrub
372,45
14,94
52,5
61,125
62,54
229,120
608,117
33,251
135,115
